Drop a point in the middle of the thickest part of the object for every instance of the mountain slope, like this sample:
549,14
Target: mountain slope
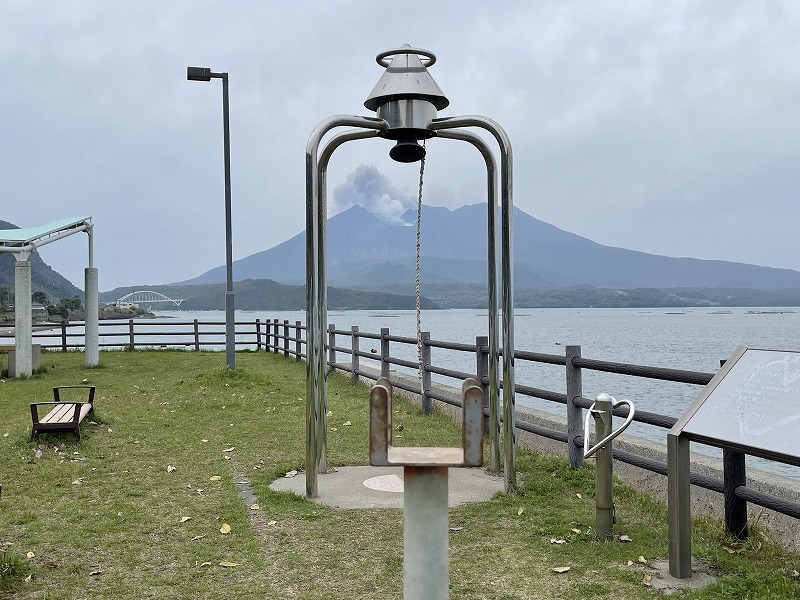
363,250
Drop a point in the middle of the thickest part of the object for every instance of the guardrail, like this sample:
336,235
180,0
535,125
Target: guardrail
286,338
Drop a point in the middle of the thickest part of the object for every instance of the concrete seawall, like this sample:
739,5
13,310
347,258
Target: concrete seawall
704,502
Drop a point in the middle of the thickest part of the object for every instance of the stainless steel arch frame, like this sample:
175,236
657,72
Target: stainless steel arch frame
316,284
507,279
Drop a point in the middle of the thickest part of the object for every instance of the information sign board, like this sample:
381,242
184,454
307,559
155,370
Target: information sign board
752,405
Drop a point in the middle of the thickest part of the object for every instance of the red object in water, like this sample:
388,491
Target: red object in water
374,350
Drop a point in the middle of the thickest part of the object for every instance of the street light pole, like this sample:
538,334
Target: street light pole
205,74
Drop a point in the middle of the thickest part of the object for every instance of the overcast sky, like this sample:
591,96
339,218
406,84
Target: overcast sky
667,127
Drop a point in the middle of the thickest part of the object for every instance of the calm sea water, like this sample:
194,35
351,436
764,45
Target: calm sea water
695,339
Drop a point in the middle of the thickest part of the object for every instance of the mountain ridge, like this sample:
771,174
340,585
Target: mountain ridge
362,247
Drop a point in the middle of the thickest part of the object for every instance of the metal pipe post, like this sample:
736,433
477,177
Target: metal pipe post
679,506
316,309
230,323
604,470
494,345
426,570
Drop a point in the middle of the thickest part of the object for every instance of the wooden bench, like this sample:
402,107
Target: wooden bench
65,415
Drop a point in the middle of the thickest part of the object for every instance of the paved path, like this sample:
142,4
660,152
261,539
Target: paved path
382,487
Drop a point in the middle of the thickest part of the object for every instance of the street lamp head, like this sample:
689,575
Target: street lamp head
198,73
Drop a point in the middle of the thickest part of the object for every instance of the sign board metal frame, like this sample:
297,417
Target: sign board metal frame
746,402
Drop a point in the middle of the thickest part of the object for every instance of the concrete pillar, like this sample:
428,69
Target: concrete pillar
92,301
23,319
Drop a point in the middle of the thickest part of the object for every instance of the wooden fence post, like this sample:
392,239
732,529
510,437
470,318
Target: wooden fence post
331,344
64,335
131,338
354,362
275,336
734,474
196,336
384,352
298,340
286,337
258,335
482,372
427,401
574,413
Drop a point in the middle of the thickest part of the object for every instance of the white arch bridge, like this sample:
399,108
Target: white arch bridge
147,297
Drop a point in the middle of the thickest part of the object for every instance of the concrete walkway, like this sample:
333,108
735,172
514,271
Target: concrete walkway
382,487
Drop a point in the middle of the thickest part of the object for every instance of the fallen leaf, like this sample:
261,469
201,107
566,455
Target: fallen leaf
520,510
795,574
575,530
456,528
555,541
643,560
255,507
227,457
28,579
205,564
346,424
30,555
110,430
225,528
630,563
214,478
732,548
560,569
333,429
625,538
271,522
225,563
579,497
184,519
197,537
204,441
327,414
647,579
5,435
84,381
93,573
291,473
78,481
170,469
231,449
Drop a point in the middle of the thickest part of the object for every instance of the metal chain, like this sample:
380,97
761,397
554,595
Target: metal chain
419,230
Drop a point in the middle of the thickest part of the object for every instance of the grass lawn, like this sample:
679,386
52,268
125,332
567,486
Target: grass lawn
136,509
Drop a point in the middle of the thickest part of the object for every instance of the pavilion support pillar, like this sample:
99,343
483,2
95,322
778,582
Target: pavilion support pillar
91,327
23,319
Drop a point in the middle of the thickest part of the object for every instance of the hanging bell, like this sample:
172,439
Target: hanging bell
407,148
407,98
